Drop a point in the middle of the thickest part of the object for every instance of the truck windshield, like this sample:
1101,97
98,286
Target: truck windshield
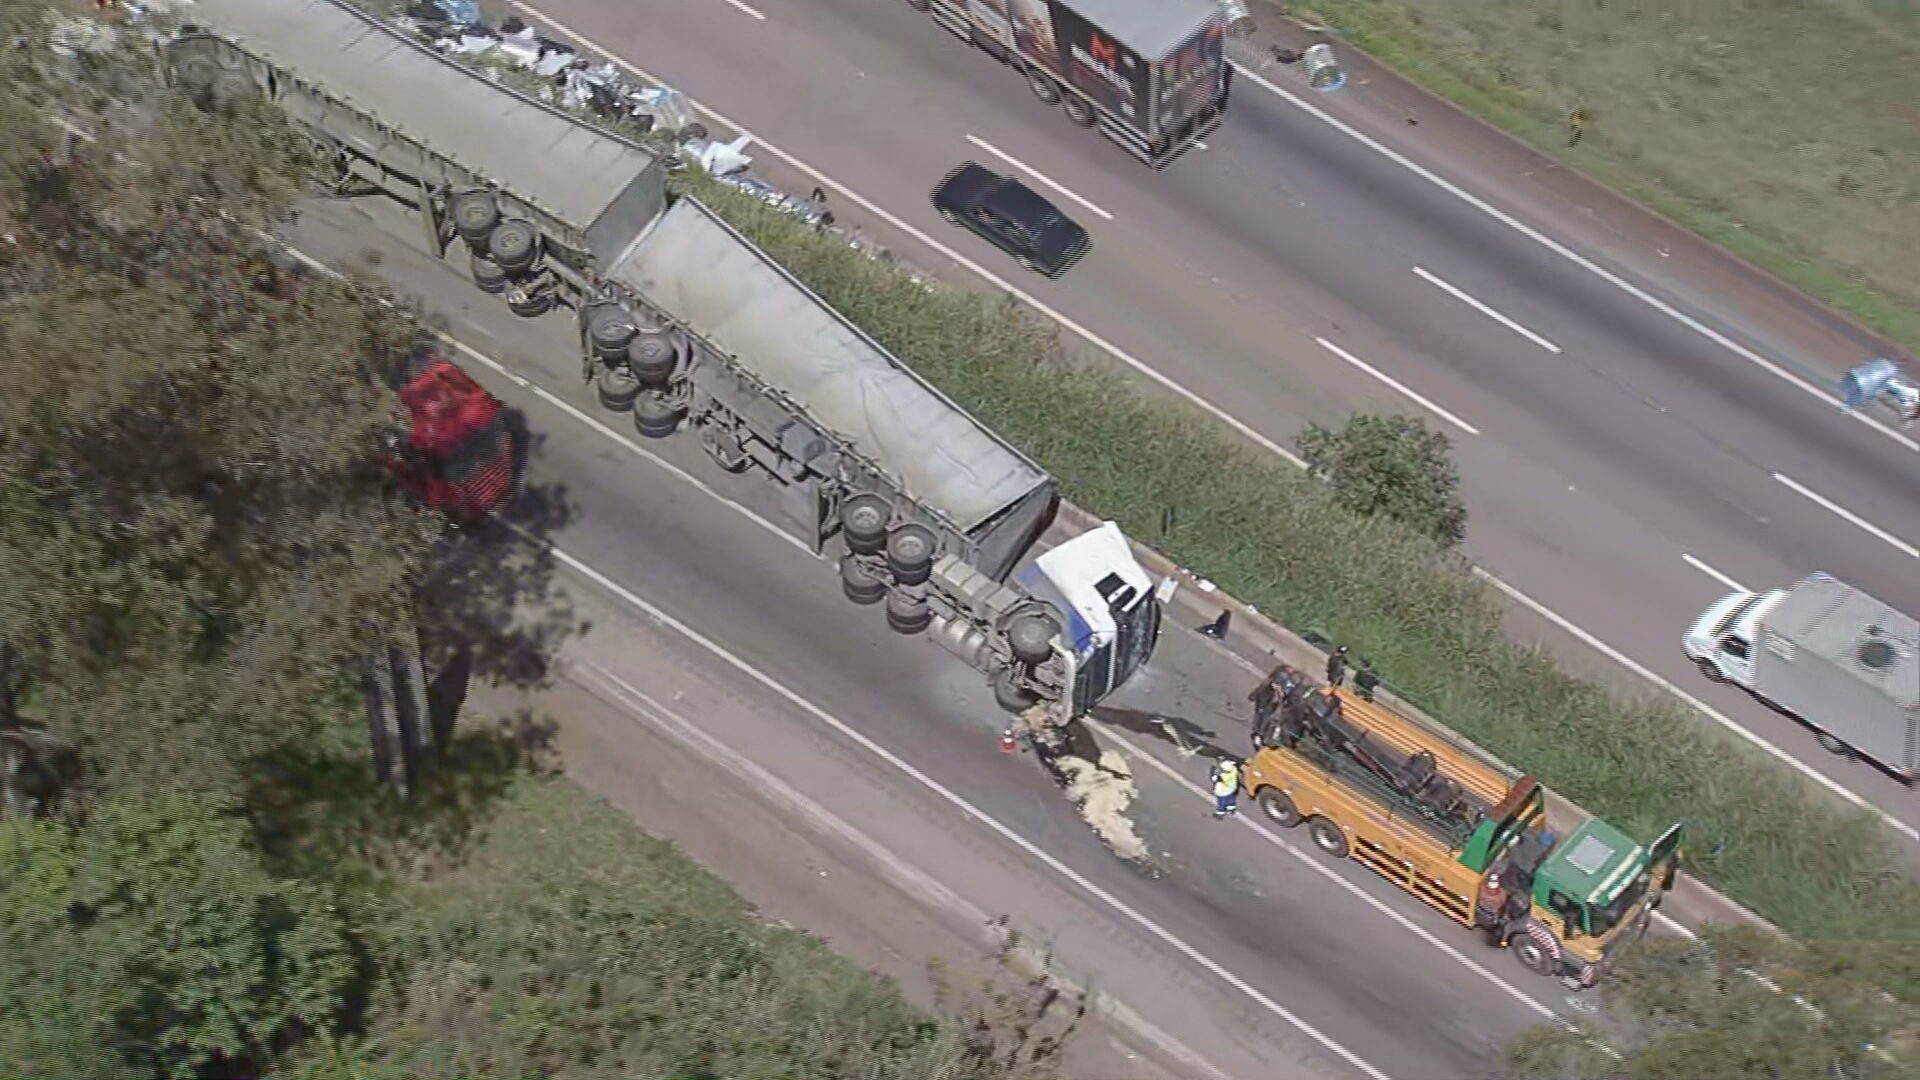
1112,662
1604,919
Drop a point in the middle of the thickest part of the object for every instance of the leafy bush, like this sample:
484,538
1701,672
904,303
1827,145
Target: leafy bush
152,942
1276,538
1390,465
573,947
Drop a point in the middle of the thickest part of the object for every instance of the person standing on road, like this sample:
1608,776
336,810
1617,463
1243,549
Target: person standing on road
1337,666
1276,694
1226,787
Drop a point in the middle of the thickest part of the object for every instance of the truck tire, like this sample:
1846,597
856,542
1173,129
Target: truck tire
617,387
1042,85
533,304
1328,837
1278,808
651,355
474,214
910,550
908,614
514,244
860,586
609,329
1708,669
1010,695
1079,109
1030,636
1831,744
1533,956
655,417
863,521
487,273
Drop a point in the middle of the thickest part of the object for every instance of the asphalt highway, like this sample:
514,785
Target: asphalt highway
1639,421
1235,941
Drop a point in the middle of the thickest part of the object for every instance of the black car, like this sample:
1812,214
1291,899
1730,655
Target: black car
1011,217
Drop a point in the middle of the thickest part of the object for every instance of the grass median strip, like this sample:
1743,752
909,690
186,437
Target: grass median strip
1275,538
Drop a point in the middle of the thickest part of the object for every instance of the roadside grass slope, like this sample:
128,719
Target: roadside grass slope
1275,538
1788,131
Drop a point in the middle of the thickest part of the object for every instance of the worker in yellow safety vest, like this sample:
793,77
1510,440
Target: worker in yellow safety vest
1226,787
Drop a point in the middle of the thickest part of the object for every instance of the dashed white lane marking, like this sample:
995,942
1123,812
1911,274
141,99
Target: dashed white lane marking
1697,705
1036,174
1391,381
1565,252
750,11
1464,297
1714,574
1849,516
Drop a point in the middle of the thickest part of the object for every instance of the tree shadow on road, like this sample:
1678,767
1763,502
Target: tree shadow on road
491,606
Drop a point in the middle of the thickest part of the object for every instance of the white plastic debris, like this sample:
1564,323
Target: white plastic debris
725,159
670,109
552,64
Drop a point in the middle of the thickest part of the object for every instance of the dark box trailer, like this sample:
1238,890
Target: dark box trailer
1849,665
1152,74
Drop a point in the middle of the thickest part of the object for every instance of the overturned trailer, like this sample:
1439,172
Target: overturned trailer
687,325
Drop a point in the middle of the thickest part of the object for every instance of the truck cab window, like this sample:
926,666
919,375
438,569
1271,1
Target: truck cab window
1736,646
1570,912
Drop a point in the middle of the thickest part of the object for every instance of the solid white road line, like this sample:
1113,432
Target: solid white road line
1243,429
1714,574
902,873
954,799
748,10
1462,296
958,259
567,407
1320,867
1695,703
1565,252
782,534
1390,381
1036,174
1849,515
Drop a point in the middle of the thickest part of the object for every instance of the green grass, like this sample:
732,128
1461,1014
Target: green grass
1786,132
1274,538
568,944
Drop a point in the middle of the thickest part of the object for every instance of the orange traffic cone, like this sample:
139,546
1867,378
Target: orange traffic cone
1007,743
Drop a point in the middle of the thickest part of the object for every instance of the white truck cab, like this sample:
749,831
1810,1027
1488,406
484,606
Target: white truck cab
1842,662
1723,638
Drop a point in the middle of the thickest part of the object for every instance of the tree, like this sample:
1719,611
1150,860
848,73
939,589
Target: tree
194,527
1391,465
1741,1005
151,942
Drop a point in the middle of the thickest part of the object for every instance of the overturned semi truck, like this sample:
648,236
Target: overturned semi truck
692,329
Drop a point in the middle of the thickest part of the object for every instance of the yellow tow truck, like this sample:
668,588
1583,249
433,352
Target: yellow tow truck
1467,837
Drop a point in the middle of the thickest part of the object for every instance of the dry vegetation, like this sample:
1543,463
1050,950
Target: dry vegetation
1788,130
